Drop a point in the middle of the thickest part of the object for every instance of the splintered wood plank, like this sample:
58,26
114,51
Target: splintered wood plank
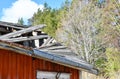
47,41
7,25
19,39
20,32
53,47
57,50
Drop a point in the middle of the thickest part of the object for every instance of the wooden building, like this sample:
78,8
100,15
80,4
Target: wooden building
21,60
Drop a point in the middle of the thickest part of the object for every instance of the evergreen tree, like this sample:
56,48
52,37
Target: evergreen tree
20,21
50,17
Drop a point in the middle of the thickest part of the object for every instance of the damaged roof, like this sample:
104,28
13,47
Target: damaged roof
21,40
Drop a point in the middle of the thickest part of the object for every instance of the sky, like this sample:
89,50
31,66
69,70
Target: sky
12,10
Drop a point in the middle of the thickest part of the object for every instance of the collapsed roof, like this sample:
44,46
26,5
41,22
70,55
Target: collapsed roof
33,42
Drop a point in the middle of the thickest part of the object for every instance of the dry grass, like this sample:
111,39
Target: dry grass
86,75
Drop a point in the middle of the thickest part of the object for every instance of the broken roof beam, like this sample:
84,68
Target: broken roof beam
57,51
54,47
19,39
20,32
47,41
50,45
15,27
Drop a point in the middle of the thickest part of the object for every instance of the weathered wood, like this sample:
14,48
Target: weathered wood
18,33
54,47
49,45
50,41
19,66
6,25
46,42
19,39
57,51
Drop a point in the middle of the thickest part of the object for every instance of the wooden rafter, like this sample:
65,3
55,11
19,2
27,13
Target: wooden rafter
45,43
20,32
6,25
57,51
19,39
54,47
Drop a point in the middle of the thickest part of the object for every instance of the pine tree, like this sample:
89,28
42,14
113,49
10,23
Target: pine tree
20,21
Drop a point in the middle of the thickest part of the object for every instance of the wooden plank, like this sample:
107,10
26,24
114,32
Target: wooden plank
6,65
25,68
20,32
33,68
1,64
30,68
46,42
19,39
6,25
57,51
9,63
50,41
18,67
54,47
22,67
50,45
13,65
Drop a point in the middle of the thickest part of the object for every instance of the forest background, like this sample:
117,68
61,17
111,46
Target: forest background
91,28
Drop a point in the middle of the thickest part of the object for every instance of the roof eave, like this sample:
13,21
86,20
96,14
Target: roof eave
16,48
63,61
44,55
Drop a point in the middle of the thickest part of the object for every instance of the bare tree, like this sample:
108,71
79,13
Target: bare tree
82,31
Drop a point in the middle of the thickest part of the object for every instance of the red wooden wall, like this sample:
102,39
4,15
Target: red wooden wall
17,66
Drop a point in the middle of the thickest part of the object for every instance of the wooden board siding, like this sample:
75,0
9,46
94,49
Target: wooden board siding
17,66
42,65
